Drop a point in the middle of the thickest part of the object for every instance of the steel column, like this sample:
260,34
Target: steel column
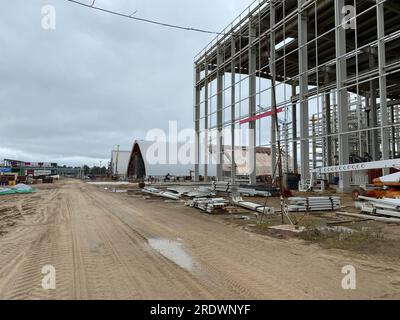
272,43
382,80
252,103
197,126
206,123
220,100
233,111
373,120
294,132
342,93
303,82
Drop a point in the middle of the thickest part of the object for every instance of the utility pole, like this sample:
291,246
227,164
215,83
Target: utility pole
116,161
280,169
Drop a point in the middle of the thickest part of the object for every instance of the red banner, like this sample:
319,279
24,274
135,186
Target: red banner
262,115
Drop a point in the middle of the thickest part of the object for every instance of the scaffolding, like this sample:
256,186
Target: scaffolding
336,69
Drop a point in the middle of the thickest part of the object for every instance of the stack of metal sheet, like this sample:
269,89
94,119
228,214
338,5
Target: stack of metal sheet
222,187
201,192
158,193
253,206
209,205
298,204
228,187
382,207
192,192
151,191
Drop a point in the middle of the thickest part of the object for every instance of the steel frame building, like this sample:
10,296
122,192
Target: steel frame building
336,66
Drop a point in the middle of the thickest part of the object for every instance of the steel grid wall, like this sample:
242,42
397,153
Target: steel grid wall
337,72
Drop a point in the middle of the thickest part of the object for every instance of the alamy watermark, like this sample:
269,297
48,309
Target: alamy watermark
349,20
49,280
49,17
179,147
349,282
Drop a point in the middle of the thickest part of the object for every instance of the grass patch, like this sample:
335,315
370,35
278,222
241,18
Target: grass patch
368,241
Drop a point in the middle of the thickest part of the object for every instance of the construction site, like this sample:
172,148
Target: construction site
296,176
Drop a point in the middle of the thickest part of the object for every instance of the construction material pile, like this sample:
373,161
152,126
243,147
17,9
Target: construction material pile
228,187
253,206
158,193
298,204
192,192
210,205
380,207
222,186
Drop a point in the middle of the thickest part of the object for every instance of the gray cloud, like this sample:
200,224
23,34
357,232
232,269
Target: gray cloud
72,94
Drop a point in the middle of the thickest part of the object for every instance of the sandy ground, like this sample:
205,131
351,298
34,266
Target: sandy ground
107,245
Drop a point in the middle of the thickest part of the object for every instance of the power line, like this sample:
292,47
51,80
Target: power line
93,6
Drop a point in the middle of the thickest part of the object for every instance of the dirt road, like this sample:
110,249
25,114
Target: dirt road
107,245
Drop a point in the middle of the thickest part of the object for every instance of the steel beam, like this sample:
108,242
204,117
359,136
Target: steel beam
294,131
220,102
384,164
233,111
373,114
252,103
206,123
303,82
197,126
272,42
328,122
382,80
342,93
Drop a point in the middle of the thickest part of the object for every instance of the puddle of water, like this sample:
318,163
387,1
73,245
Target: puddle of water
173,251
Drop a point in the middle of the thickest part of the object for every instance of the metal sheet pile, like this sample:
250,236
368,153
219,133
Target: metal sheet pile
380,207
209,205
253,206
202,197
158,193
299,204
227,187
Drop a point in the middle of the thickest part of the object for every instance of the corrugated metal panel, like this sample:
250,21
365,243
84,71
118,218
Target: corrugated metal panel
161,158
123,161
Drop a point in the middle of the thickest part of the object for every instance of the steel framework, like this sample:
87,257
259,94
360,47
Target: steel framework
336,66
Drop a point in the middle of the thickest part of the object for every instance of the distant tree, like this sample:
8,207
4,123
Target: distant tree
86,169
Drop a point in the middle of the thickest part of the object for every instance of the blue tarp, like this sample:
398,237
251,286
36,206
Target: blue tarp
19,188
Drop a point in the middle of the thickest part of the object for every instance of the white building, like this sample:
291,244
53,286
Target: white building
119,163
157,159
153,159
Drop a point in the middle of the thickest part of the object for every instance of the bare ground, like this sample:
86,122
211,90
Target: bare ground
102,246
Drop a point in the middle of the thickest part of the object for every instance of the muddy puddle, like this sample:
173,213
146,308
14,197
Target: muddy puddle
174,251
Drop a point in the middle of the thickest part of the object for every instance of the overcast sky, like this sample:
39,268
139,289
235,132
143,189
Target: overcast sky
70,95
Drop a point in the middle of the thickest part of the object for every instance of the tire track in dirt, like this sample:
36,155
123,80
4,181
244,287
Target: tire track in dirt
98,243
153,269
269,268
217,274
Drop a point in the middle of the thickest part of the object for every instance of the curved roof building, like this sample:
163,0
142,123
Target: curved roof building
157,159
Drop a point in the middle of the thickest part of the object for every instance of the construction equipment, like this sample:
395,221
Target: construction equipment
386,186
